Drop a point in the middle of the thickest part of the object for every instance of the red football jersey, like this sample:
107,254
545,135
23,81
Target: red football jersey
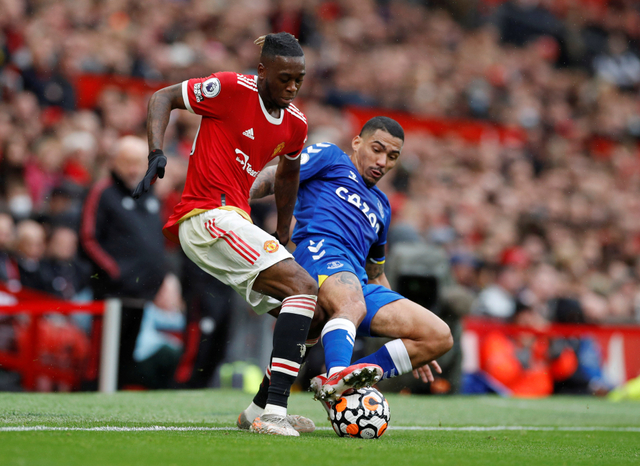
236,139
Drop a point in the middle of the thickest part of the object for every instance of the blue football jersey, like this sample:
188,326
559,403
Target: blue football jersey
335,204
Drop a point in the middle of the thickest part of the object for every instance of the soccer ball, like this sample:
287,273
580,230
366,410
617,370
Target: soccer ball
362,413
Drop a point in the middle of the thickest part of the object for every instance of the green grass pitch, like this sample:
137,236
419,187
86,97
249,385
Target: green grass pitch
197,428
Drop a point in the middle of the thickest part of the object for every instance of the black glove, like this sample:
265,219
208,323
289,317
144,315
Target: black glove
157,162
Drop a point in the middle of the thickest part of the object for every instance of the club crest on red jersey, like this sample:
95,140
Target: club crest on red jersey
271,246
277,150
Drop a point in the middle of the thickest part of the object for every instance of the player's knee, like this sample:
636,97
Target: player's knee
351,309
436,340
358,313
442,338
304,284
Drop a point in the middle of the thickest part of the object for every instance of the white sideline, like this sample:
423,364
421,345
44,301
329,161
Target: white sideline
418,428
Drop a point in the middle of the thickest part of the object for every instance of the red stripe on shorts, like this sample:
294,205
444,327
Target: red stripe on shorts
233,241
245,246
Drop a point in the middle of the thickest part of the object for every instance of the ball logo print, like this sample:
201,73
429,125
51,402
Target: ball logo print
211,87
362,413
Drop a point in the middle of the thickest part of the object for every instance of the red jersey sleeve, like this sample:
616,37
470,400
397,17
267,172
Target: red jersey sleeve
209,96
299,138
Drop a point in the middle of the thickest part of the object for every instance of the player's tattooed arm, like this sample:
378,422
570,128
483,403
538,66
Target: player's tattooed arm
264,184
376,275
158,111
374,270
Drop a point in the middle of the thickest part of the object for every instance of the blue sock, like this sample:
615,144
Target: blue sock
392,357
338,337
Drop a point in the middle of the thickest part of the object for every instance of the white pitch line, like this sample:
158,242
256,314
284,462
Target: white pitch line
415,428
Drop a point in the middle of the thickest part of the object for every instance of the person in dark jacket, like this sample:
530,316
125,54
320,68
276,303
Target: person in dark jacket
8,266
66,276
122,237
30,248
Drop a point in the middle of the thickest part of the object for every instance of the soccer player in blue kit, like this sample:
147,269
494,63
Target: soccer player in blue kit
340,236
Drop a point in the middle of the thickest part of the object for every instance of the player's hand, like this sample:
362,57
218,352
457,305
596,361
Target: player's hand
424,373
157,162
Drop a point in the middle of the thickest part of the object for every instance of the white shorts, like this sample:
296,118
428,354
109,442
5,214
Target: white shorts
234,250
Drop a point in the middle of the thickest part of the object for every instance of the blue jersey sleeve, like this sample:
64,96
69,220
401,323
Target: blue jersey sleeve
315,160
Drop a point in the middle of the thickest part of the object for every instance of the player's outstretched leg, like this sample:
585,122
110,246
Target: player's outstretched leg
355,376
289,282
289,338
420,337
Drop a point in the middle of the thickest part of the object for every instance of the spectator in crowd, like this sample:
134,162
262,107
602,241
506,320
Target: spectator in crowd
529,363
14,157
8,266
620,66
64,206
66,275
526,364
499,300
80,148
157,351
122,237
30,248
44,172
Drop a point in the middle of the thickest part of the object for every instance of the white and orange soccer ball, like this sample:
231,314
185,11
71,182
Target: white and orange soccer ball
362,413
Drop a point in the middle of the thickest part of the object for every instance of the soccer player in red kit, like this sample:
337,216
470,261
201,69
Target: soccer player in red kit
246,122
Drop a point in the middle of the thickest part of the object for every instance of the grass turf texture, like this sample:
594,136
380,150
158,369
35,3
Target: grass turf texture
219,409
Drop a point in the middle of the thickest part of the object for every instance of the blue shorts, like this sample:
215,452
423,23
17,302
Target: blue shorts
321,260
375,296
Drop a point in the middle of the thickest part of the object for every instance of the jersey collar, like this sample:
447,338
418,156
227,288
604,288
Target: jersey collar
267,115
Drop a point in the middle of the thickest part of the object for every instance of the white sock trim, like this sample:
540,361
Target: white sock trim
274,409
253,411
285,366
335,370
400,356
339,323
301,304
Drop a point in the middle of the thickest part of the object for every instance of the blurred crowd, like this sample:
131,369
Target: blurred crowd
548,223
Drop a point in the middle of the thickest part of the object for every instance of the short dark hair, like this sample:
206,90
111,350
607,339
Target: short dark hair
385,124
281,44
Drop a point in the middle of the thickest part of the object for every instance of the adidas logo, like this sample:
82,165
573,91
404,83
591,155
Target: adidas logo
249,133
